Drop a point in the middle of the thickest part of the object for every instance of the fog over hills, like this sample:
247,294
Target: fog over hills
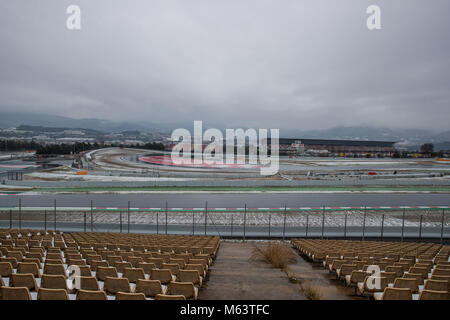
406,138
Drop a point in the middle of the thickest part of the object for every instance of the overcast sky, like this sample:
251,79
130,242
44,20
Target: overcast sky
305,64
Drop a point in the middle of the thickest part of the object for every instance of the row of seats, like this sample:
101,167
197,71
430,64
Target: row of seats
420,271
103,265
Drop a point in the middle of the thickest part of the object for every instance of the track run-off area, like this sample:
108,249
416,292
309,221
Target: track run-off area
226,200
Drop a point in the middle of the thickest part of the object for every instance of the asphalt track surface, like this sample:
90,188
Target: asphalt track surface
252,200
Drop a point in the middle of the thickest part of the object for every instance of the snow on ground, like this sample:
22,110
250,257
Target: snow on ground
371,162
71,176
313,218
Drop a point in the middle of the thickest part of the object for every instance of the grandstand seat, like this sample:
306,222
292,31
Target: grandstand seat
133,274
199,261
157,261
436,285
398,270
345,269
135,261
76,262
197,267
88,283
6,269
394,294
180,262
15,293
163,275
190,276
149,287
120,266
147,267
130,296
98,263
103,272
355,277
173,267
53,261
52,294
11,260
169,297
369,286
411,284
389,275
112,259
442,278
54,269
114,285
433,295
181,249
186,289
25,267
441,272
15,254
53,282
37,255
84,271
54,256
422,271
125,255
418,276
195,250
23,280
91,295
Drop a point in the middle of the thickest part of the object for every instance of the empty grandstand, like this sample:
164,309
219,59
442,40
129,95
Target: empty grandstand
384,270
357,148
40,265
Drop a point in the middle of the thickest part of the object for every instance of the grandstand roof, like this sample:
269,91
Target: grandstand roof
327,142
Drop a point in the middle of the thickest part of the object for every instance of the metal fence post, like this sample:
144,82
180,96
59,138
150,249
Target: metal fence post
420,227
10,218
120,220
403,223
270,222
128,216
307,224
20,213
206,215
54,211
284,222
364,224
345,226
84,221
92,216
193,222
166,215
382,226
45,220
323,221
232,225
157,222
245,219
442,225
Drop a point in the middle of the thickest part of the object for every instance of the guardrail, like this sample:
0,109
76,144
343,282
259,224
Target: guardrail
403,222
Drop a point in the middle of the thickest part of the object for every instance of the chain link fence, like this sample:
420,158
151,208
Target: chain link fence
326,222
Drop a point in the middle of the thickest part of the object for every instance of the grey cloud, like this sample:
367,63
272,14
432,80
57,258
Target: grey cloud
277,64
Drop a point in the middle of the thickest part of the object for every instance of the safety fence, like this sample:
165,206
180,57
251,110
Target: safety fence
404,222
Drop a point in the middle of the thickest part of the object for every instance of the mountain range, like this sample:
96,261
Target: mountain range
406,138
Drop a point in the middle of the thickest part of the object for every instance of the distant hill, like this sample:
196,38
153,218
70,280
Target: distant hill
15,119
410,139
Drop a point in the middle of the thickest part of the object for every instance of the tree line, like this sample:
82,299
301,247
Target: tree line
69,148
